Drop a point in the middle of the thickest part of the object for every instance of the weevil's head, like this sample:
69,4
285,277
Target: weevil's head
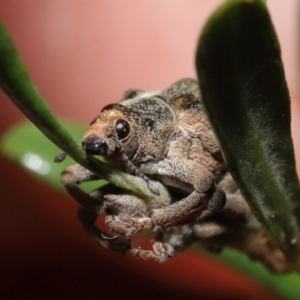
110,131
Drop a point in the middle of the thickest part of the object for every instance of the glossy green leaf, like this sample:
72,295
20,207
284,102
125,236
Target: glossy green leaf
246,97
28,147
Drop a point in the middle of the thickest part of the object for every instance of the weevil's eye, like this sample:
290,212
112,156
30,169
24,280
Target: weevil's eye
122,129
94,121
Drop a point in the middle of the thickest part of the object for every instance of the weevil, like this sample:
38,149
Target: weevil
164,137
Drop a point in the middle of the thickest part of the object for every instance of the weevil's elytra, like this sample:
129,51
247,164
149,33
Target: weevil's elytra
163,136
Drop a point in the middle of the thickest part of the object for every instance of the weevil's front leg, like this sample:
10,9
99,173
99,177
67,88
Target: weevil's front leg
204,200
160,253
74,175
120,209
125,211
87,218
130,214
107,200
91,206
96,201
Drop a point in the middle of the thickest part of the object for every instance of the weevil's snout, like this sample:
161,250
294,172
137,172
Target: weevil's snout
94,145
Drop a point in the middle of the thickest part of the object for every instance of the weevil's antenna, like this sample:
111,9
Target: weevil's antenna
150,184
60,157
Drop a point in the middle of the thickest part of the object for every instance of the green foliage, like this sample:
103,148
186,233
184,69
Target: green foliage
246,97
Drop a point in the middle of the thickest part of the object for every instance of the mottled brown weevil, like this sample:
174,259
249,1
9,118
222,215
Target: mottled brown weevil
163,137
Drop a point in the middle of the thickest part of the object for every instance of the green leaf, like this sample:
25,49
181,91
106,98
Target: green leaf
28,147
247,100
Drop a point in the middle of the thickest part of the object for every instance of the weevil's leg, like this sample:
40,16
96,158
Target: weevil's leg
233,216
71,177
180,237
197,206
133,213
92,205
130,218
204,200
124,204
126,214
88,218
126,225
160,253
236,209
235,213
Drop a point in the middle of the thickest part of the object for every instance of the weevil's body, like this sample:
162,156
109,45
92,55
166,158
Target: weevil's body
169,124
165,135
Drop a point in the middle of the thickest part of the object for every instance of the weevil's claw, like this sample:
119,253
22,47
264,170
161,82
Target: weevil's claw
125,225
60,157
160,253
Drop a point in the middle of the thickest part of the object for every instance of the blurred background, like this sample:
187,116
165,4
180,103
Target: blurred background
82,55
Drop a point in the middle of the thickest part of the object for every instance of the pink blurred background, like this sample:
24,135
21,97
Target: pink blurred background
82,55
